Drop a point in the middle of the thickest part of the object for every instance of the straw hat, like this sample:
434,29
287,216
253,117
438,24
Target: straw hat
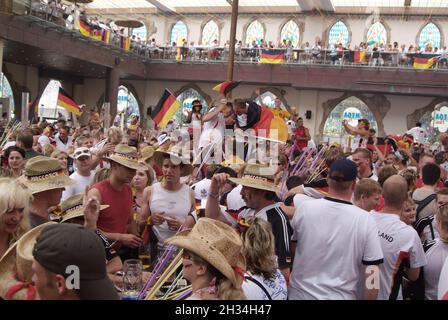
146,153
259,177
16,267
126,156
44,173
73,207
176,158
218,244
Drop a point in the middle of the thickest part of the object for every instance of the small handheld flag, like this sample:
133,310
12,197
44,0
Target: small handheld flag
65,101
165,109
225,87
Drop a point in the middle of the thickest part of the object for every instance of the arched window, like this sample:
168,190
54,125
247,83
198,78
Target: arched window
255,31
127,105
140,32
435,122
430,35
210,33
48,103
338,34
6,94
268,99
350,109
178,32
291,32
186,98
377,34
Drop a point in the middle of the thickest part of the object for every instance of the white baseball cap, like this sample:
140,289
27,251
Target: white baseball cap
80,152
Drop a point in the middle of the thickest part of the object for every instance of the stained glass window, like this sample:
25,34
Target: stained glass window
186,98
430,35
338,34
291,32
178,32
333,129
435,122
140,32
6,92
269,100
377,34
127,106
47,106
255,31
210,33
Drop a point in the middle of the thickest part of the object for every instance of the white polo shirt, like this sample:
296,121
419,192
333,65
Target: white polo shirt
436,256
334,240
400,243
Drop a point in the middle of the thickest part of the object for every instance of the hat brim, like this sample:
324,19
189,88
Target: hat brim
101,289
214,257
79,213
57,182
255,184
8,279
127,163
159,155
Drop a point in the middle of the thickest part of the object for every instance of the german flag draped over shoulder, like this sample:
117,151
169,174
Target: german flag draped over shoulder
67,102
275,127
225,87
422,62
165,109
272,56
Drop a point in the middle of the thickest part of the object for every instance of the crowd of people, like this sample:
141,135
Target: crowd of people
275,221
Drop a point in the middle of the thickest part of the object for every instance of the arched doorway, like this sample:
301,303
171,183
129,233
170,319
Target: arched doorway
6,96
48,103
435,122
268,99
127,107
350,109
186,98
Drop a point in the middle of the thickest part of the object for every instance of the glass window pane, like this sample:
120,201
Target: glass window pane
269,100
127,106
429,36
6,92
186,98
140,32
210,33
179,32
435,122
338,34
377,34
255,32
47,106
333,129
291,32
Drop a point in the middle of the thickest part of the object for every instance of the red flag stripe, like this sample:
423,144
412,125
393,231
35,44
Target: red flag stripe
166,106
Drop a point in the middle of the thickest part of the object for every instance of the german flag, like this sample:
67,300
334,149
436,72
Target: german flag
165,109
105,36
272,56
65,101
225,87
423,63
85,29
96,34
360,56
275,127
125,43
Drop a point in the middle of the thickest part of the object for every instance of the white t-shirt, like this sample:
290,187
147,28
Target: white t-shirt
234,199
276,287
291,126
436,256
80,187
9,144
442,293
63,146
213,130
43,140
334,240
399,242
418,133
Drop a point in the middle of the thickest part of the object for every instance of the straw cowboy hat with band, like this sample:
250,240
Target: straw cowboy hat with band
259,177
127,156
73,207
44,173
218,244
176,158
16,268
146,153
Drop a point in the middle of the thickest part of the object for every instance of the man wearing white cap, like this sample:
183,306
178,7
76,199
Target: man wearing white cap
82,175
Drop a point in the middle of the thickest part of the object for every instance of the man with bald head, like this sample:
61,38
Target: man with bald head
400,243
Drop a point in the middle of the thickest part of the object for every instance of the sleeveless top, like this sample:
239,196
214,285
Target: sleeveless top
115,218
173,204
300,132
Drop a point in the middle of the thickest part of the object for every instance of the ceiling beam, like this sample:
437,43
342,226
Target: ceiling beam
305,5
326,5
161,7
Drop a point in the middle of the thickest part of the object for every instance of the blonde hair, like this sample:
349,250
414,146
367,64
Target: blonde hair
14,195
442,217
48,150
114,135
259,248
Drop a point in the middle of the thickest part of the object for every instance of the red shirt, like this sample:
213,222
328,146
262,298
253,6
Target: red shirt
115,218
419,184
300,132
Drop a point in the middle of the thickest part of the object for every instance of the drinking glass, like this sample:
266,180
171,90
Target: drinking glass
132,279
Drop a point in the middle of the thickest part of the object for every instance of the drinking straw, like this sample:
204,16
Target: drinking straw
173,285
164,277
182,296
305,152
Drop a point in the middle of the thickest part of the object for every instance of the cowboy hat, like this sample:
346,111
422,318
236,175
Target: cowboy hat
176,158
44,173
218,244
146,153
258,177
16,267
126,156
73,207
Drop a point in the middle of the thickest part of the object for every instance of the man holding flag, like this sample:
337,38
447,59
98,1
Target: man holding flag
165,109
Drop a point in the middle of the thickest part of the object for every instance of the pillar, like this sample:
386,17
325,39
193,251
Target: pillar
112,84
